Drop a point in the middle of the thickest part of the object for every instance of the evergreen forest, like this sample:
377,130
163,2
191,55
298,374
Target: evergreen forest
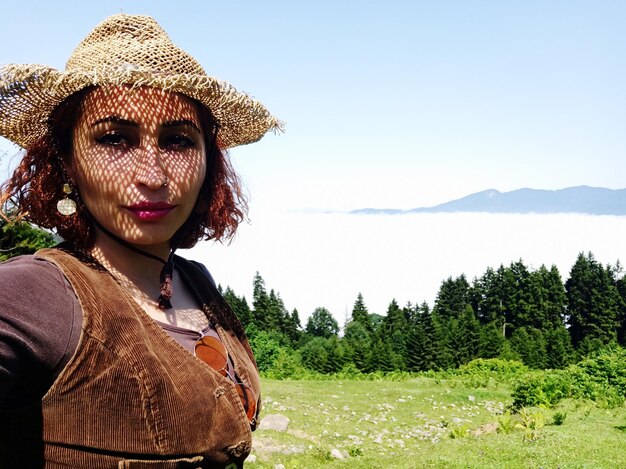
510,312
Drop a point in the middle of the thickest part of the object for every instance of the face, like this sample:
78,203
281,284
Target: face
139,160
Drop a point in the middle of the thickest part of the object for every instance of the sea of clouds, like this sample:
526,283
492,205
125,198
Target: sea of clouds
326,259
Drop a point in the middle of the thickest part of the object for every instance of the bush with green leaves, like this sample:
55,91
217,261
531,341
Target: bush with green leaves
506,422
600,378
286,365
267,347
18,238
541,389
530,422
481,370
559,418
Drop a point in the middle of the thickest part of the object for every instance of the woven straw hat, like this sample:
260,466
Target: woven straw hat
125,50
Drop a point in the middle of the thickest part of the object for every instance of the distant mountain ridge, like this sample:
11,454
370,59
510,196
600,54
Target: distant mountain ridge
580,199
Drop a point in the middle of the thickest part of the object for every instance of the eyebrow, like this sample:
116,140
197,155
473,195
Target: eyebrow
168,124
180,122
116,120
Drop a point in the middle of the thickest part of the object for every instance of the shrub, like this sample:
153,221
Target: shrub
349,371
531,423
541,389
506,423
459,432
602,375
267,348
479,372
600,378
559,418
286,365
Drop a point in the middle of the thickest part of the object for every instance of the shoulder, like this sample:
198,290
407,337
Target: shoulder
35,294
22,275
40,323
187,264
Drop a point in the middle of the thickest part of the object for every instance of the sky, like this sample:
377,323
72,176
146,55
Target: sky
395,104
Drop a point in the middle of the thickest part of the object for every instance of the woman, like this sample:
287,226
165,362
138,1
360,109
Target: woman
114,352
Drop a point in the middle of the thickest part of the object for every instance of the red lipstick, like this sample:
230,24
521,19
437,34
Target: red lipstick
150,211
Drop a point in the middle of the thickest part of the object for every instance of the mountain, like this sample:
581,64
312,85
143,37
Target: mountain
580,199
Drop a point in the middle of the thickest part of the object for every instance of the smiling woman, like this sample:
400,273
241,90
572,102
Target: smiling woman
125,159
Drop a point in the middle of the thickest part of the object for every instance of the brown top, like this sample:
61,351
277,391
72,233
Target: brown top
39,334
149,401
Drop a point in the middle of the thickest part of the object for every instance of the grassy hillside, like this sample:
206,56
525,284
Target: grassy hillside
430,422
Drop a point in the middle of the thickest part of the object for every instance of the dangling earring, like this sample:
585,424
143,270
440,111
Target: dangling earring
66,206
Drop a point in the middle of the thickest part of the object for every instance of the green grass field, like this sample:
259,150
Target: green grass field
426,422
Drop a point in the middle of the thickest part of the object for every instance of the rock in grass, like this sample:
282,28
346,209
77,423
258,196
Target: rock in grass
275,422
337,454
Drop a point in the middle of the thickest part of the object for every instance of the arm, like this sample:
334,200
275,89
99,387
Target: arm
40,323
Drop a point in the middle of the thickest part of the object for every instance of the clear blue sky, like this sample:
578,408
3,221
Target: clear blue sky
393,104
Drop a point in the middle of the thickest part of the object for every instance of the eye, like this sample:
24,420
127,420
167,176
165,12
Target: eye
113,139
178,141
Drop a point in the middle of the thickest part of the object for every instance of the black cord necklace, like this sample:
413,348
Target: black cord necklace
165,277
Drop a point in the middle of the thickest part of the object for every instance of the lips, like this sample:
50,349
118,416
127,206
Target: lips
150,211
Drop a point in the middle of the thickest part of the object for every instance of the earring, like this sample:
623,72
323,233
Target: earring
66,206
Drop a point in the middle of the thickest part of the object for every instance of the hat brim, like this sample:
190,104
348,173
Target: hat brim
29,94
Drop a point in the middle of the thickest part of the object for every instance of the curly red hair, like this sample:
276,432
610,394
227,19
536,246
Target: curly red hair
37,185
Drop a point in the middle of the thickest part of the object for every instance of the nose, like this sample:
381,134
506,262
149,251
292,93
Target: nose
149,171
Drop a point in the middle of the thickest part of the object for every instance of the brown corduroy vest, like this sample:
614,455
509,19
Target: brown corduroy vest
131,396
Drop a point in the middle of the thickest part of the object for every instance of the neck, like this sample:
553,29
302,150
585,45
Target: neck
140,271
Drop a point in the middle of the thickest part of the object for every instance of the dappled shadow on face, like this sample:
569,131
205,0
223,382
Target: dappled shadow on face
139,161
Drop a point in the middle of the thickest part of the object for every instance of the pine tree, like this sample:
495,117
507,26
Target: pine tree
520,344
593,301
485,296
559,350
261,304
335,353
361,314
530,344
493,295
538,350
621,331
469,336
491,341
292,327
359,342
444,338
557,298
277,315
452,298
520,308
422,342
382,356
393,333
239,306
394,320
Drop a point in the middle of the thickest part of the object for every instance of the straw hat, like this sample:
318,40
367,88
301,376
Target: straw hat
125,50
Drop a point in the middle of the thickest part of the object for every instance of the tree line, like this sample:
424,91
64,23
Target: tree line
511,312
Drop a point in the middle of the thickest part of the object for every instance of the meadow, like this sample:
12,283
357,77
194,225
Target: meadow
431,422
